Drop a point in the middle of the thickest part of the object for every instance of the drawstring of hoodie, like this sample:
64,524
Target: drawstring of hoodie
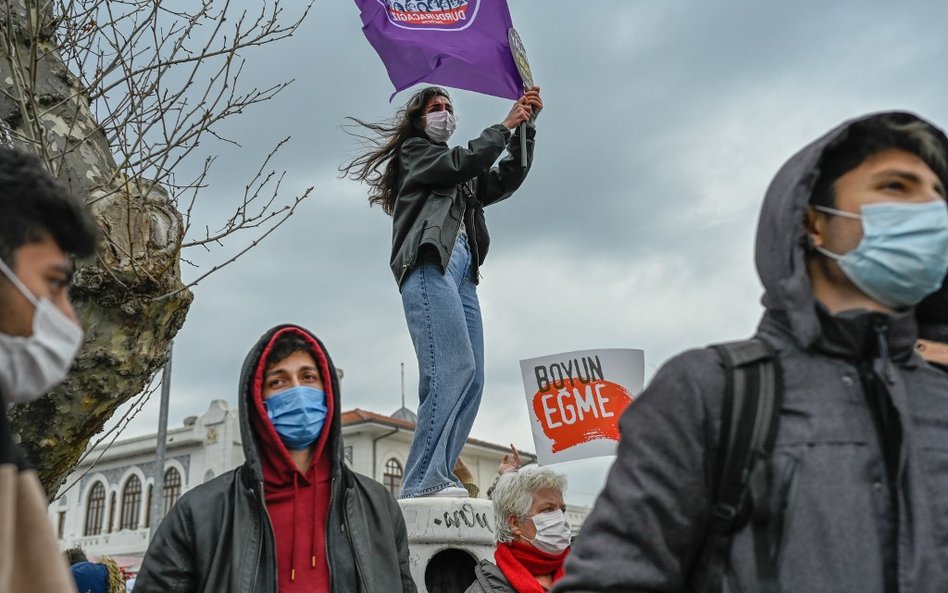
296,485
312,543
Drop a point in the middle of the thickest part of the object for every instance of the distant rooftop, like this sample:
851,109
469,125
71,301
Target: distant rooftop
360,416
404,413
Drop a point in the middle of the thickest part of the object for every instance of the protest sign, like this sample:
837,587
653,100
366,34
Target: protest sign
520,57
457,43
575,399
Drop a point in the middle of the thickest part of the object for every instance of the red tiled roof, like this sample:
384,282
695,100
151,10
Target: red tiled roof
360,416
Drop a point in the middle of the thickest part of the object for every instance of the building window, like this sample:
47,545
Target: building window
94,510
131,503
61,526
393,476
172,488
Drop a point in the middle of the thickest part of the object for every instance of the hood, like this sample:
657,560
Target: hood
780,251
261,443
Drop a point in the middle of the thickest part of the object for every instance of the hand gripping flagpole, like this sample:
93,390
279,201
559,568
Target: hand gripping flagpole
523,67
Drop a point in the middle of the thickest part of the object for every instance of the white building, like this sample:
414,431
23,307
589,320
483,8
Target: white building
105,503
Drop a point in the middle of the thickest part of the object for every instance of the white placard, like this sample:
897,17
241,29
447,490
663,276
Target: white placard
575,399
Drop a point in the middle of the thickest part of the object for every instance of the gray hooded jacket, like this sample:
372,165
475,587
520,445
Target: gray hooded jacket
845,530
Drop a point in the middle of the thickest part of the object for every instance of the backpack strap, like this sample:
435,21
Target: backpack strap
749,421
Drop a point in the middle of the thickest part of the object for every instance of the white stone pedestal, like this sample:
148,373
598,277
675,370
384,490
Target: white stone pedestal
446,538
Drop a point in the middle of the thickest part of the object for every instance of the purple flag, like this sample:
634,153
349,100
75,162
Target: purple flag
456,43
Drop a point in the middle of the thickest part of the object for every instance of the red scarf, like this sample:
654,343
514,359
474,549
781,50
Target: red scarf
521,563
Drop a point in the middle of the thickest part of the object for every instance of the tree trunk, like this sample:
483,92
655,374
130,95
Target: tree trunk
128,328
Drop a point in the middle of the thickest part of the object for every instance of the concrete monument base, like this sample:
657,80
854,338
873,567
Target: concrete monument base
446,538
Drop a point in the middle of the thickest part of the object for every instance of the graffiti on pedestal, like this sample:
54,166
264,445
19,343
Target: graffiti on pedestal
466,515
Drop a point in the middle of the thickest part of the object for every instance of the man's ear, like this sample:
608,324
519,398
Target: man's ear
513,524
814,225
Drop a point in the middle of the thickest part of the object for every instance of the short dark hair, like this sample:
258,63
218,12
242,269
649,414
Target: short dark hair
33,205
75,555
286,345
872,136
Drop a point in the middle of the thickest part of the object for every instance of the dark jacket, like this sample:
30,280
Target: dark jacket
218,536
437,186
489,579
98,577
844,529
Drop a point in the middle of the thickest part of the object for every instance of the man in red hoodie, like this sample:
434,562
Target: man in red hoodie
293,517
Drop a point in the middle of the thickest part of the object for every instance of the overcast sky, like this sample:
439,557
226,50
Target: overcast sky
664,122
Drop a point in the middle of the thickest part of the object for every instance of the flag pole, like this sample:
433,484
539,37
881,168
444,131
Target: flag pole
526,78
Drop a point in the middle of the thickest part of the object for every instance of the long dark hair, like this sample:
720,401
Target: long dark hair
379,166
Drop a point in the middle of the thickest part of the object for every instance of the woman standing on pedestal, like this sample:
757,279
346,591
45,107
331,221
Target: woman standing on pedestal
436,196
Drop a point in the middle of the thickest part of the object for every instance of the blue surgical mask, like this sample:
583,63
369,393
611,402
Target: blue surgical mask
903,255
298,415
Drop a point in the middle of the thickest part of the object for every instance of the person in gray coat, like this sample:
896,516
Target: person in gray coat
852,234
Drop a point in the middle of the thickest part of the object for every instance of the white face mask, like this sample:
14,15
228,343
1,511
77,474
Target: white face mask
439,125
32,365
553,534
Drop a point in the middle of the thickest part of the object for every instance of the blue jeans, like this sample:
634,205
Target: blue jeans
444,320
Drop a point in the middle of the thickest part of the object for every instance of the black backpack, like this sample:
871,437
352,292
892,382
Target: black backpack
749,420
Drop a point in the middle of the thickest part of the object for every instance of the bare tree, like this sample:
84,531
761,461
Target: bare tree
116,97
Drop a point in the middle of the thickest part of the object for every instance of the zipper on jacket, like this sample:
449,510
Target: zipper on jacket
880,328
788,495
470,198
276,566
355,555
332,495
475,251
475,256
256,565
889,433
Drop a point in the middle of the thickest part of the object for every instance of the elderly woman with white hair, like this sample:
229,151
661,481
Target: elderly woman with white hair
531,531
